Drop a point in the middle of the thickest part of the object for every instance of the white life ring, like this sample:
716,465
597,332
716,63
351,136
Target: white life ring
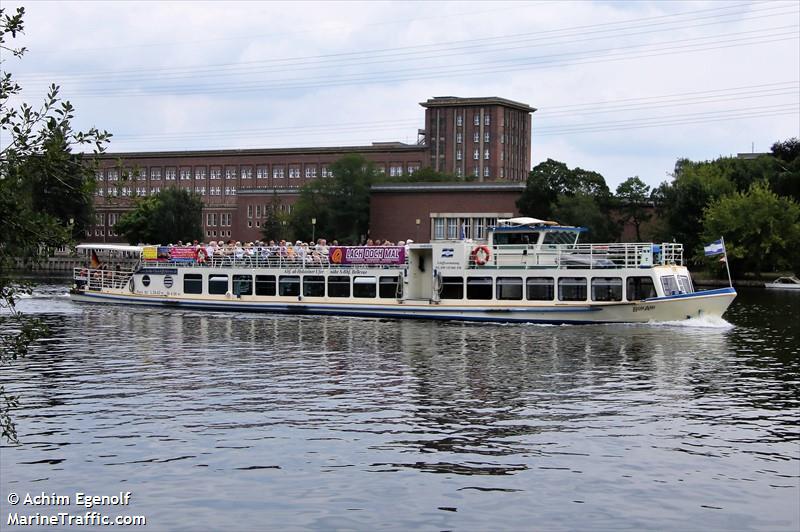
481,255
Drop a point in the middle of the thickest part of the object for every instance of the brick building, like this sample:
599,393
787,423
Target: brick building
488,138
436,211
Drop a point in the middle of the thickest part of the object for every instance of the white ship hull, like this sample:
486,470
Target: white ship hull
711,303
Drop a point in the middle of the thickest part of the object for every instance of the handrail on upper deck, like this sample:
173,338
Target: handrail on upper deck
584,256
97,278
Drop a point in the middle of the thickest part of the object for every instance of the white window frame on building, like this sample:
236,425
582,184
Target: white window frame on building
459,120
477,119
476,154
171,173
476,137
186,173
155,174
278,172
216,172
459,138
247,172
230,172
449,226
200,172
311,171
438,229
486,154
262,172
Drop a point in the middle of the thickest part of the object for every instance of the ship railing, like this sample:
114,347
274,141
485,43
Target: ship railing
273,261
582,256
100,278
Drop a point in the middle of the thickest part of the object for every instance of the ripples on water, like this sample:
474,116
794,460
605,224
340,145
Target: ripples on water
247,421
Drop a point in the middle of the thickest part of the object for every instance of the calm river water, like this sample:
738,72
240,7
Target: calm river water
240,422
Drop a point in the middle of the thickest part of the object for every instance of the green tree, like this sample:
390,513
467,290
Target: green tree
340,203
682,202
583,210
170,216
633,196
542,188
44,196
786,181
275,221
572,196
761,229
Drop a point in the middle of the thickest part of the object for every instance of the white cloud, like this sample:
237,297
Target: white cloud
256,42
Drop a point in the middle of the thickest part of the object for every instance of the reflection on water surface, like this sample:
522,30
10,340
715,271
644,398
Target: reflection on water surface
327,422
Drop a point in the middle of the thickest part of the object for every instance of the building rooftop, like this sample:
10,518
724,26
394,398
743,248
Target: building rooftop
448,101
376,147
490,186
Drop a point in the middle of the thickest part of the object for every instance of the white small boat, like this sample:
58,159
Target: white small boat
784,283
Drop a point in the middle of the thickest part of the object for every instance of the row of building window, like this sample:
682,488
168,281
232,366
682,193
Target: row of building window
462,227
100,222
144,191
259,209
476,154
476,119
224,219
335,286
546,288
245,172
486,138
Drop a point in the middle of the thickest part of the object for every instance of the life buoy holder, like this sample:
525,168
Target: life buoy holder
481,255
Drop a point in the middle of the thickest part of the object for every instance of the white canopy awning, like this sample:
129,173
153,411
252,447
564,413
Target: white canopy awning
108,247
524,220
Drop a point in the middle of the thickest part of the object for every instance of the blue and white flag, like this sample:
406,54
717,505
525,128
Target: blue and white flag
714,248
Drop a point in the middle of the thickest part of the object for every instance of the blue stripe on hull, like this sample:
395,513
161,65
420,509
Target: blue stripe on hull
702,293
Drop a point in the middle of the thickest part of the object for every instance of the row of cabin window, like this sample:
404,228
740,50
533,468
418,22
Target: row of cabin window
291,285
544,288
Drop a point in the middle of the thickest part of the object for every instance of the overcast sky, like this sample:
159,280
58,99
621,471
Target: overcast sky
623,88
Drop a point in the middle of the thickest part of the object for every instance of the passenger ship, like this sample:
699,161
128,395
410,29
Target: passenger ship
527,270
